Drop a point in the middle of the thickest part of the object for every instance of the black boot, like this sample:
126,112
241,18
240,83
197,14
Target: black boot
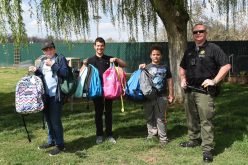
207,156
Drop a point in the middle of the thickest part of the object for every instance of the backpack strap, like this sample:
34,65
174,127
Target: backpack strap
24,123
119,79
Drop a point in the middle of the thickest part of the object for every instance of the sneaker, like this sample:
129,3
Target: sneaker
164,143
56,151
45,146
150,137
111,140
99,139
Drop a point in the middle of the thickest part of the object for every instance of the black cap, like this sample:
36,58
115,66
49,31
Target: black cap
48,44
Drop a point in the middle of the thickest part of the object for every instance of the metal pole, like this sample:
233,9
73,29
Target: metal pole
97,18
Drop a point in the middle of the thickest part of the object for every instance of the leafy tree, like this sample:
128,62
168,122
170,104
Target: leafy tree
62,17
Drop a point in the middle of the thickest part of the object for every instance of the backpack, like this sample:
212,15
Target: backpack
159,78
133,91
29,95
81,83
69,84
113,82
92,86
146,85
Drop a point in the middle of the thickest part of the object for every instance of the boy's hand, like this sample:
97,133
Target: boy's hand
170,99
141,66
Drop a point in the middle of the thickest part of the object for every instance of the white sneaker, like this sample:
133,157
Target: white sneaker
111,140
99,139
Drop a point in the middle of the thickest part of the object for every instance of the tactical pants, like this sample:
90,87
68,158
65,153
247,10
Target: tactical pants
155,114
200,111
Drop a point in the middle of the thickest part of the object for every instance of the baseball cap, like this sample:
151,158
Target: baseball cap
48,44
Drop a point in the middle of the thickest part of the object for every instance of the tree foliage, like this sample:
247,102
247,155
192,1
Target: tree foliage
65,17
62,17
11,20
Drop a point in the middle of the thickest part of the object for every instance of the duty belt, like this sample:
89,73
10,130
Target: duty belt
196,89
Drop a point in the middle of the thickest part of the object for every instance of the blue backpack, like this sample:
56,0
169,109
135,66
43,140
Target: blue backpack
92,87
133,91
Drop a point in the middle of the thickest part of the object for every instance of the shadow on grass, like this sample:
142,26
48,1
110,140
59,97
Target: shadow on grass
231,117
80,144
230,120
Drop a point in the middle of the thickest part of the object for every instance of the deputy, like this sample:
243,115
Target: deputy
202,67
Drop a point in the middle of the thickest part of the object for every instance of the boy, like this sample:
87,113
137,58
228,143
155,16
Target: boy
102,63
155,109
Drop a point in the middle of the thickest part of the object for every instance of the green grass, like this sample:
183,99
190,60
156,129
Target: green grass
231,125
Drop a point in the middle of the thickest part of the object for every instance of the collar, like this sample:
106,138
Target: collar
204,45
97,57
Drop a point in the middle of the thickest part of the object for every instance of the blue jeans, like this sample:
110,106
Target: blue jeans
52,114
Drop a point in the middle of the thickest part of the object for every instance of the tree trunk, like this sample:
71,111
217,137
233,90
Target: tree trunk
174,17
177,42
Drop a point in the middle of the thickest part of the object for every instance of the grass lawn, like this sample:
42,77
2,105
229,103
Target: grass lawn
231,131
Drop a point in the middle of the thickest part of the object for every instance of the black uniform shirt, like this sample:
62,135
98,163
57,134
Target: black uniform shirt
203,62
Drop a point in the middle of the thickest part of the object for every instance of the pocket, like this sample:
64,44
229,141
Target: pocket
211,107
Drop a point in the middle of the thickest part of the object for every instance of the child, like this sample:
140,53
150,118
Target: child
155,109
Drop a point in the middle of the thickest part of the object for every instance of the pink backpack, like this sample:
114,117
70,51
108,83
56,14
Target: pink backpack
114,79
114,82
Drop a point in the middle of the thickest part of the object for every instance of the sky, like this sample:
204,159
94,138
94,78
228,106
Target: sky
106,28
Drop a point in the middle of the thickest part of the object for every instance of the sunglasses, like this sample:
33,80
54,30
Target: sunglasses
199,31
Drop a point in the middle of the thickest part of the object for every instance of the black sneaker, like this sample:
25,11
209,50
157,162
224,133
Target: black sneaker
57,150
207,157
191,144
45,146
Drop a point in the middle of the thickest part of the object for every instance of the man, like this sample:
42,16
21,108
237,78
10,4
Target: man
102,63
52,70
155,108
202,67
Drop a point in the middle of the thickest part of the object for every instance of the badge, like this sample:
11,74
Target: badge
202,53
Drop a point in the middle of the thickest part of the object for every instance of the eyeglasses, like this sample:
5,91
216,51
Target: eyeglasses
199,31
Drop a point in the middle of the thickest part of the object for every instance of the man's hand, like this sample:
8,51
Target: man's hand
208,82
32,69
48,62
184,83
113,59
